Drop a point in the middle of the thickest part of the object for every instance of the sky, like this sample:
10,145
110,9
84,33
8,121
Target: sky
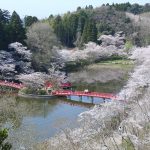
43,8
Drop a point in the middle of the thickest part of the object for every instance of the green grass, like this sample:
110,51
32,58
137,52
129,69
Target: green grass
120,61
113,64
107,87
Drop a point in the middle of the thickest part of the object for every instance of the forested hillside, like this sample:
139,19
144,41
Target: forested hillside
87,24
84,25
73,29
12,28
141,21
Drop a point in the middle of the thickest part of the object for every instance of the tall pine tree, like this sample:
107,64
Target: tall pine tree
17,31
58,28
4,34
89,32
29,20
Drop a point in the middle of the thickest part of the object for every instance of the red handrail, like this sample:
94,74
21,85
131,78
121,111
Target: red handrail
11,84
82,93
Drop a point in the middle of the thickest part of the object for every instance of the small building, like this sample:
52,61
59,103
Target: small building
66,85
49,87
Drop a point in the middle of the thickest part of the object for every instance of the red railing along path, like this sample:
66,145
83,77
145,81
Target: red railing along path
82,93
11,84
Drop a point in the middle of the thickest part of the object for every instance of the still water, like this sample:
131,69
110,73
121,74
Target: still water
36,119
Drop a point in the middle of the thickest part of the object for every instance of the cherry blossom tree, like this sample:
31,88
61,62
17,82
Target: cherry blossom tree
21,50
113,125
91,53
35,80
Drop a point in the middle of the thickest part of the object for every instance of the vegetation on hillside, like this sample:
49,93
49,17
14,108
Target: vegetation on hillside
141,22
132,8
84,25
73,29
11,29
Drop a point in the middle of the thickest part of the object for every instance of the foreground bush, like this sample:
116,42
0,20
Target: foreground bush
3,136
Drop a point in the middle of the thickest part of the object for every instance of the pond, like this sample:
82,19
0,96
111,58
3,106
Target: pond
34,120
31,121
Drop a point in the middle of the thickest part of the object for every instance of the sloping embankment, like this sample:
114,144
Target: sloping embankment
114,126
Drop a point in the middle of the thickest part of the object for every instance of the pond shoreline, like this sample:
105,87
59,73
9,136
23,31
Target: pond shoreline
36,96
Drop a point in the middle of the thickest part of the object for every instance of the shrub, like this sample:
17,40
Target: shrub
128,46
41,92
28,91
3,136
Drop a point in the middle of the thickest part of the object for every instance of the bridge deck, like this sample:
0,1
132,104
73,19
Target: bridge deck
82,93
11,84
64,92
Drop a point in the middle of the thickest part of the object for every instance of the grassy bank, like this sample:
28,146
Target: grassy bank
104,73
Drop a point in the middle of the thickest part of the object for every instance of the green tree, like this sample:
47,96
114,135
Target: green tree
147,7
122,6
89,32
17,32
85,33
78,8
65,28
70,24
58,27
29,20
4,20
82,18
41,39
136,9
81,21
3,136
128,45
104,28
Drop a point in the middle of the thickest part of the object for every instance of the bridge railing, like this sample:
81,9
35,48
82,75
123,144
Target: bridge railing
11,84
82,93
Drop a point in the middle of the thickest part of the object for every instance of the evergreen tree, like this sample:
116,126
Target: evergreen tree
66,28
136,9
29,20
4,19
89,32
78,8
85,33
58,28
81,23
82,18
17,32
72,24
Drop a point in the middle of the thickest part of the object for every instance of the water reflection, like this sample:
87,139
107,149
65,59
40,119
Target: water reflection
35,120
88,99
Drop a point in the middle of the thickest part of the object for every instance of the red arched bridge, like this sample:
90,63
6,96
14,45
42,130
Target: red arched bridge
64,92
11,84
82,93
